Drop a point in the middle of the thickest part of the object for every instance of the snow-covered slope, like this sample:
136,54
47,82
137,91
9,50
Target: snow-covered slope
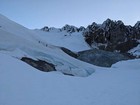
15,38
73,41
109,36
15,29
20,84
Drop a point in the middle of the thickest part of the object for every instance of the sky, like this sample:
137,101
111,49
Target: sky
56,13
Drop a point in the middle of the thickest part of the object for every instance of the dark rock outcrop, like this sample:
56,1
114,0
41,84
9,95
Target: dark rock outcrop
69,52
101,58
126,46
45,29
69,28
39,64
112,34
81,29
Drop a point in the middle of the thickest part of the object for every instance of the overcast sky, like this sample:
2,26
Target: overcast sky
38,13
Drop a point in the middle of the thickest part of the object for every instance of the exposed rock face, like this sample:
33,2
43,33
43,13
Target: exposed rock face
113,39
67,28
69,52
39,64
81,29
101,58
98,57
45,28
137,25
126,46
112,34
105,36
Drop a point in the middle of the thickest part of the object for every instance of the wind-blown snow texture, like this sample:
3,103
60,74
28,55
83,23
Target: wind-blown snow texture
21,84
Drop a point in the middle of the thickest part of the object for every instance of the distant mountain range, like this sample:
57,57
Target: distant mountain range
95,65
98,44
111,35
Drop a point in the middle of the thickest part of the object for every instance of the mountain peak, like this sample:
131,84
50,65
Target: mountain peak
137,25
46,28
107,24
70,28
119,22
107,21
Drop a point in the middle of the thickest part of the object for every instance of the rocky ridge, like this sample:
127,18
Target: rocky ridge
113,36
109,35
106,36
110,41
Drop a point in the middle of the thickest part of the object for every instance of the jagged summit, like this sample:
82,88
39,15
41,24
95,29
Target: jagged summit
137,25
111,35
119,22
110,24
69,28
92,27
66,28
46,28
106,25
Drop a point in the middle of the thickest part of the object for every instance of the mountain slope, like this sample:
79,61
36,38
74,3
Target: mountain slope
21,84
60,37
113,36
18,39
